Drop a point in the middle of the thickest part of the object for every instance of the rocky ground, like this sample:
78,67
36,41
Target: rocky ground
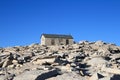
81,61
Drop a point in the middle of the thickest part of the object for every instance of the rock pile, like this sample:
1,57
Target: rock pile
81,61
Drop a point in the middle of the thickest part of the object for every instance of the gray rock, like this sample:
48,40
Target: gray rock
96,76
68,76
36,75
115,77
83,61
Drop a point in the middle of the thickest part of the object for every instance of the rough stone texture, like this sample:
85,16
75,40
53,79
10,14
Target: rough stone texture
36,75
96,76
81,61
68,76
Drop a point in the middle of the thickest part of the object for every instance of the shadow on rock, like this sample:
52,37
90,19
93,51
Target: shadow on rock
47,75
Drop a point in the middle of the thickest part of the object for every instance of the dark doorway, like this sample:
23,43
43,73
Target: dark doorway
67,42
52,42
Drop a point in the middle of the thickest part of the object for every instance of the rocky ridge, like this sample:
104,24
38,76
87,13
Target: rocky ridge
81,61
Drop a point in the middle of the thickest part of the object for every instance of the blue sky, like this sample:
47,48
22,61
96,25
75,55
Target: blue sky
23,21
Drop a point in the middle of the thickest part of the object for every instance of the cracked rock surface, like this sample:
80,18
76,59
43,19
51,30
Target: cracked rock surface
81,61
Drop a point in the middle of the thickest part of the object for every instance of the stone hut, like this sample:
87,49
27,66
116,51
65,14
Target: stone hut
56,39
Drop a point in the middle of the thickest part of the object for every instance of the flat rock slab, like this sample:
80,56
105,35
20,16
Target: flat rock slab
97,60
36,75
110,70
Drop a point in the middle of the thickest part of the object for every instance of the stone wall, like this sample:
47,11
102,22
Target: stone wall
57,41
42,40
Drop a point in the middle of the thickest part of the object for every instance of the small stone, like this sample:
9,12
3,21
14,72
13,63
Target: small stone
81,73
11,66
73,65
14,61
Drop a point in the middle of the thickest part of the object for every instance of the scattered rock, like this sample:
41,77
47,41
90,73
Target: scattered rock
80,61
96,76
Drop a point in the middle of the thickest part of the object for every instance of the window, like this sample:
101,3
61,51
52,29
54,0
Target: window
67,42
60,41
52,42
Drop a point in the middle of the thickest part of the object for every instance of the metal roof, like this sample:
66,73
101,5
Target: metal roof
57,36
